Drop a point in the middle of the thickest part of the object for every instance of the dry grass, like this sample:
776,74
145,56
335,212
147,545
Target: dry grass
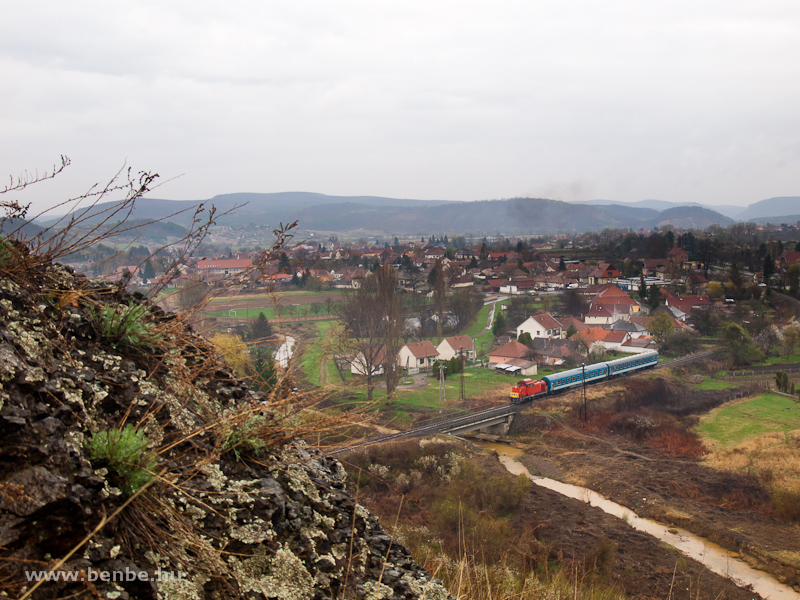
455,519
773,458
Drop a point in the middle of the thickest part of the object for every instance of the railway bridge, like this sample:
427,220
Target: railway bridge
496,419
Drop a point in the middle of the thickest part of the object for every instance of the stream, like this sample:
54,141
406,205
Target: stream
713,557
285,351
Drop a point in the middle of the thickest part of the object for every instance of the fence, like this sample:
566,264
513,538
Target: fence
761,372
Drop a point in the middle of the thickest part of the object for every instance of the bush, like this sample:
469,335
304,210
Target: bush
680,343
6,252
125,453
782,382
786,504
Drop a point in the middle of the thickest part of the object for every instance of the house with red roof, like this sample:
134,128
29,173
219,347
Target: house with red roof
611,340
230,266
541,326
417,356
576,324
687,303
512,349
456,345
603,273
787,259
614,299
678,256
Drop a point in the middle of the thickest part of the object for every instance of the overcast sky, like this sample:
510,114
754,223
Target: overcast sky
572,100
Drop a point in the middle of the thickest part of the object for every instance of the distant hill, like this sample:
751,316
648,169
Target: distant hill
248,205
517,216
790,219
692,217
729,210
783,205
26,229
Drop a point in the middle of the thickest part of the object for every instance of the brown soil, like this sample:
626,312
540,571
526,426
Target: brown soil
729,509
638,563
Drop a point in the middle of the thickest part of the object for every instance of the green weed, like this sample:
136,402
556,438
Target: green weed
125,324
245,439
125,453
6,252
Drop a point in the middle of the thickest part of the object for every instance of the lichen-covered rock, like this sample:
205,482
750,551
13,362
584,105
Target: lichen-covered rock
213,523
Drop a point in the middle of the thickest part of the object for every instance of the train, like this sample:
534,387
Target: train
528,389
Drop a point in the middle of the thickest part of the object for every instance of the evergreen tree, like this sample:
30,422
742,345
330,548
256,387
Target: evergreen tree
148,272
769,266
499,325
654,297
295,280
283,263
562,266
259,328
266,371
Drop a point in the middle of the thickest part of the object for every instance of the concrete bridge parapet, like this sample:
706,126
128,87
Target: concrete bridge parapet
497,425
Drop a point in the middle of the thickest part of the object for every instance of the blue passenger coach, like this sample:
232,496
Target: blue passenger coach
565,380
573,377
632,363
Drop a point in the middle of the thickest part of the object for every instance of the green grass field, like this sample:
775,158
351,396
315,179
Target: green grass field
782,359
733,424
292,304
312,353
713,384
483,340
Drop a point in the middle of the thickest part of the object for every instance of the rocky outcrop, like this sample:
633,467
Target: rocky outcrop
131,453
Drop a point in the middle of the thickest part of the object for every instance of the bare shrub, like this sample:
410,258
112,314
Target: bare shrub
678,443
786,504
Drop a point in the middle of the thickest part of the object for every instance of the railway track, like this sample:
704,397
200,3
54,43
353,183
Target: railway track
685,360
479,415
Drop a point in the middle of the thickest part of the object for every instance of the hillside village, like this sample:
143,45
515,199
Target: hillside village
587,306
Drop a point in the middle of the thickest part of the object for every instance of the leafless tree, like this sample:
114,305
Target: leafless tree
373,318
464,304
393,324
192,293
439,283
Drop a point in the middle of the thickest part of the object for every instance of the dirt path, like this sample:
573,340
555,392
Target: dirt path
323,372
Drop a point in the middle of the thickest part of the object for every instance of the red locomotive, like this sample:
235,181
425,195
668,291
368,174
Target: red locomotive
527,389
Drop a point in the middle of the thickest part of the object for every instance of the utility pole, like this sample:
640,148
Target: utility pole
461,362
585,414
442,389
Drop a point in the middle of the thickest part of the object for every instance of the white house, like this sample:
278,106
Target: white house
540,326
604,315
417,356
369,356
455,345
